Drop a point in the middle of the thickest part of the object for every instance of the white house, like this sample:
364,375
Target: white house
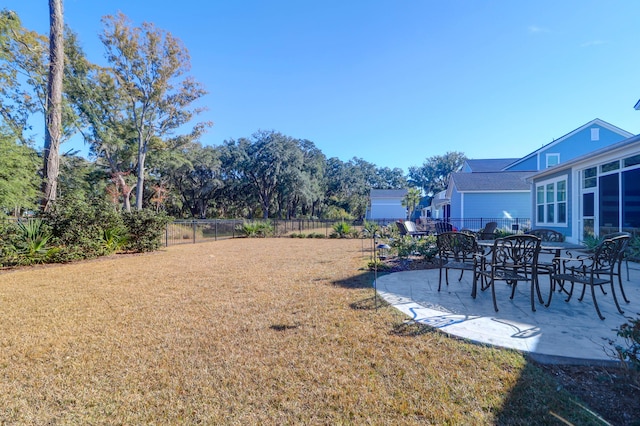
386,204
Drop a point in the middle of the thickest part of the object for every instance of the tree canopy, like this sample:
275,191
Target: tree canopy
136,114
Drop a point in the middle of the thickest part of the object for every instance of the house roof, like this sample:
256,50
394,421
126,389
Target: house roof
490,165
491,181
388,193
637,106
607,150
596,121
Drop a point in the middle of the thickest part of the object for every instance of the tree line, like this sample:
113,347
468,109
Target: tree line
137,113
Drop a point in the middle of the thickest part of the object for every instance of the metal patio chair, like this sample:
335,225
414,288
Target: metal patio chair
512,259
458,251
597,269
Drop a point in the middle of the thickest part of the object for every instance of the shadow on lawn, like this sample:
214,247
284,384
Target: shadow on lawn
362,280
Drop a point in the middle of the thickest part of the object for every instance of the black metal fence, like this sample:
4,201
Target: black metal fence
195,231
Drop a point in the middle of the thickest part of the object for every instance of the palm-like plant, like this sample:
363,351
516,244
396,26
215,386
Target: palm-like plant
32,242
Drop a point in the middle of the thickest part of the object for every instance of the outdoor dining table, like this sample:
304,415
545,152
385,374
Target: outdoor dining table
553,247
549,246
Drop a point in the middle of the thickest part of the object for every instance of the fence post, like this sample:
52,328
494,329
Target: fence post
194,231
166,235
215,230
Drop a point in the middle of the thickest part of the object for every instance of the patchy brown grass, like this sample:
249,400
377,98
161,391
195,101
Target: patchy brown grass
245,331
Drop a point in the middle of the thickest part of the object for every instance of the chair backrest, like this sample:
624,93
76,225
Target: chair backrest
547,234
456,245
401,228
610,251
488,232
442,227
411,226
516,252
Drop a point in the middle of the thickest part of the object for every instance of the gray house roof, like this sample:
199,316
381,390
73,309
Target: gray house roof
388,193
491,181
490,165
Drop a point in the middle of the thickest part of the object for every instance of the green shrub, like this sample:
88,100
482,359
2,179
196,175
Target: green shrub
369,229
255,229
408,246
591,241
405,246
145,229
114,239
634,248
26,243
342,230
427,247
629,352
78,228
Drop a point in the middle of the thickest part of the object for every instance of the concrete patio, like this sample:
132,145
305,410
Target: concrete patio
568,333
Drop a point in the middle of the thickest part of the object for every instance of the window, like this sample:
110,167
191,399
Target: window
632,161
595,134
553,160
590,177
551,202
609,193
609,167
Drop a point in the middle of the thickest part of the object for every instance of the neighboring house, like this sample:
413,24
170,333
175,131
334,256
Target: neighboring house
498,188
593,194
439,208
476,197
387,204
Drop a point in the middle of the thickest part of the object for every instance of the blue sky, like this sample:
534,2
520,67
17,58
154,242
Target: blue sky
394,82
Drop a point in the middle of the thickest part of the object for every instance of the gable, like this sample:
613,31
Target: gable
592,136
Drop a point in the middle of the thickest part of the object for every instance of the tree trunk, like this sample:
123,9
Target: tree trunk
53,115
140,185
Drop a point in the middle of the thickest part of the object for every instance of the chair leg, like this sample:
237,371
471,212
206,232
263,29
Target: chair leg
595,302
624,296
461,274
514,284
584,288
570,293
615,299
534,283
440,280
627,262
493,294
535,279
552,289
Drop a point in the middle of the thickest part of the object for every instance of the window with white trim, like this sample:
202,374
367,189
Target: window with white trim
553,160
551,202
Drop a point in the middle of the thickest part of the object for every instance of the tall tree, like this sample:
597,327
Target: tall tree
22,75
196,175
264,161
150,66
411,200
53,113
101,105
433,175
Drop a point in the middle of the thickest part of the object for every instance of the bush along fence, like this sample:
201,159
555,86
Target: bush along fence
201,230
195,231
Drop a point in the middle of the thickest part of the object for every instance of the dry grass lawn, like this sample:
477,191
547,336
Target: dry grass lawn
244,331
